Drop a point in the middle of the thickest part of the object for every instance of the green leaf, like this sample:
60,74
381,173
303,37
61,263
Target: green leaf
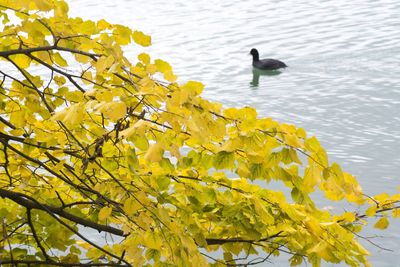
224,160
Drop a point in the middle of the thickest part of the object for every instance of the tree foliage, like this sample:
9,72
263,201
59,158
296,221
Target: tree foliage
108,161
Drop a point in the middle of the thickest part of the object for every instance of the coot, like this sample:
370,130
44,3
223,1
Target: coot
266,64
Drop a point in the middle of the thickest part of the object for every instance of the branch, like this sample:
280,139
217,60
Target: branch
6,122
62,264
27,51
219,241
28,202
25,74
29,218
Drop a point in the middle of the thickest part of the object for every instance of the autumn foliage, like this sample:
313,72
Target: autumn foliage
108,161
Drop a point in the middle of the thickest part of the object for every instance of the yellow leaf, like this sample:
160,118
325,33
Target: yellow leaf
112,110
145,58
293,140
349,217
382,223
83,244
243,170
43,5
102,24
103,63
122,34
322,250
193,87
88,77
131,206
371,211
17,132
141,38
61,9
381,197
152,240
87,27
141,142
151,68
74,96
162,66
21,60
60,61
169,76
73,115
104,213
396,213
154,153
60,80
312,176
313,226
361,249
166,69
140,125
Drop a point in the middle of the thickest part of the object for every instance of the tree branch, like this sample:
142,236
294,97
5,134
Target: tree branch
27,51
62,264
29,220
221,241
26,201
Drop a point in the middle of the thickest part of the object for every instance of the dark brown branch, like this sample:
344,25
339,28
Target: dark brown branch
29,220
7,137
6,161
62,264
69,76
28,51
69,205
26,201
221,241
6,122
7,235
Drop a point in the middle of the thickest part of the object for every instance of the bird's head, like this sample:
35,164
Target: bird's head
253,52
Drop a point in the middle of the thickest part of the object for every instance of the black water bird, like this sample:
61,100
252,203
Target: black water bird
266,64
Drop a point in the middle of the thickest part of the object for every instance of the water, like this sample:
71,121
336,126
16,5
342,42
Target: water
342,84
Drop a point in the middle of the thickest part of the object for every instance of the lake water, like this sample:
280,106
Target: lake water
342,84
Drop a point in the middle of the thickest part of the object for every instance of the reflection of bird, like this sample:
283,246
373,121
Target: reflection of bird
265,64
257,73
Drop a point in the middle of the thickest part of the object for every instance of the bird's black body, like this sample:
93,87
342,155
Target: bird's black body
266,64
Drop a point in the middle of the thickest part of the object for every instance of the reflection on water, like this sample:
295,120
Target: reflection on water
342,84
257,73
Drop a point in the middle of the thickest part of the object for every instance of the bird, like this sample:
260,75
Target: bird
266,64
